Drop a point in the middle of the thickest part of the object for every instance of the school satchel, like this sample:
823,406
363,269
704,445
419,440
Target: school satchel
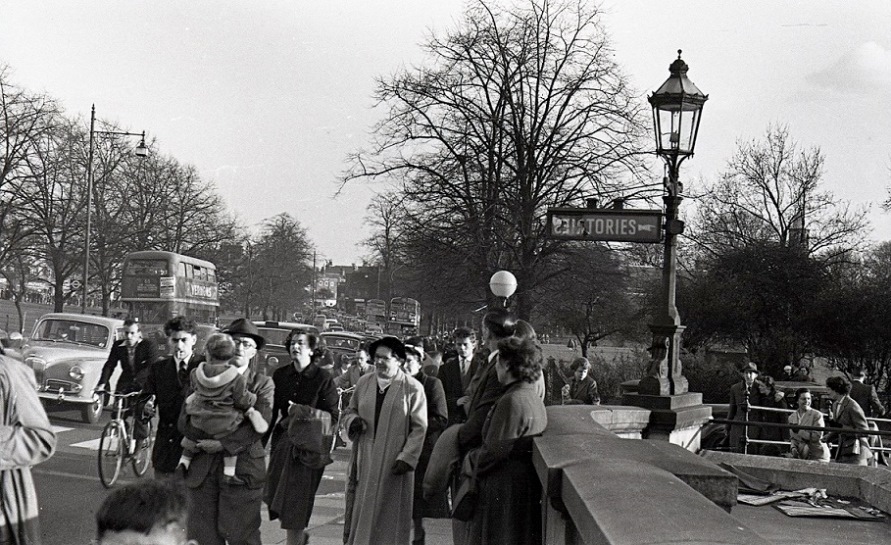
466,498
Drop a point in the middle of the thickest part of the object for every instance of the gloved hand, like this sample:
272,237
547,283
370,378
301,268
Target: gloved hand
401,468
210,446
357,427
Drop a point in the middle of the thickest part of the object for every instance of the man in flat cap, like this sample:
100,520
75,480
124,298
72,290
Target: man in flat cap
743,394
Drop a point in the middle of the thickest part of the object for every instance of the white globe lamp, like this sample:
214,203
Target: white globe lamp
503,284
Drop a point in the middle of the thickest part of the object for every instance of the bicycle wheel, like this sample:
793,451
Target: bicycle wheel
142,457
111,453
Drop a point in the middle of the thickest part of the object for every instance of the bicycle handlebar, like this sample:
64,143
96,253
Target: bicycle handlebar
115,394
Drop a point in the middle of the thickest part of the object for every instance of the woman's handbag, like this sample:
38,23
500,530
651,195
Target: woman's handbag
464,503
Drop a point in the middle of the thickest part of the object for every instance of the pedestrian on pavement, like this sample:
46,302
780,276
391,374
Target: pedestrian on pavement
224,513
524,331
387,421
304,414
26,439
456,373
168,381
485,391
144,513
509,505
742,395
773,399
865,395
853,448
436,505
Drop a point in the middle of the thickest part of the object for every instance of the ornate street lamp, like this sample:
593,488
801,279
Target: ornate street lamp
140,151
503,284
677,111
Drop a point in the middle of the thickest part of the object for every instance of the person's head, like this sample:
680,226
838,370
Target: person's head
220,348
838,387
361,357
182,333
247,341
413,357
418,342
766,385
465,342
301,345
805,398
146,512
524,330
859,374
518,359
580,367
499,324
132,334
388,353
750,373
787,369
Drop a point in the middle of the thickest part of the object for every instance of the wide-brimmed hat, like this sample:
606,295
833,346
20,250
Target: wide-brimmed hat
392,343
243,327
749,367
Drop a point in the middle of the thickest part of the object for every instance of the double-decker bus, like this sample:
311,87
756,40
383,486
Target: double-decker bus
375,313
156,286
405,316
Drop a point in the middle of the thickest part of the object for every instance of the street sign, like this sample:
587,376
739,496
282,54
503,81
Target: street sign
607,225
75,285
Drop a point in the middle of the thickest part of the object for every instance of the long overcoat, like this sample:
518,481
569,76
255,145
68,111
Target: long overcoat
26,439
383,502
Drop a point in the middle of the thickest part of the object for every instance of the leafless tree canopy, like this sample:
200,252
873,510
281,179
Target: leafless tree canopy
519,109
771,191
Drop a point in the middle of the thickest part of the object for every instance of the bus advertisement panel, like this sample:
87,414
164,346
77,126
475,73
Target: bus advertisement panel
156,286
376,312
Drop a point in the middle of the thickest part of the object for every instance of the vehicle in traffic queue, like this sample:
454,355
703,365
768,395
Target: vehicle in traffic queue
274,354
343,345
67,352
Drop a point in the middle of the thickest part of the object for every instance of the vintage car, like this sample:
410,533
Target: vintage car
274,354
343,346
67,352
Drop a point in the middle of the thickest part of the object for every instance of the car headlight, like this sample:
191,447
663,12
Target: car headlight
35,363
76,373
271,360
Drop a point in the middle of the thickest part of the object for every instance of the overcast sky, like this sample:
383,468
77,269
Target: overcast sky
267,98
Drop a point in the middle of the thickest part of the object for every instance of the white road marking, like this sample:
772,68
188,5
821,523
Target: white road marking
60,429
92,444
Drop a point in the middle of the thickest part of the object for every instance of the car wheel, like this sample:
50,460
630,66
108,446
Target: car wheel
90,413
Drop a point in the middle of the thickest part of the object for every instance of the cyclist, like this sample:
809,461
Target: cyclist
135,356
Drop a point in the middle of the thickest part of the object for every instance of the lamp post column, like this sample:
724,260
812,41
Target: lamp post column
665,376
83,308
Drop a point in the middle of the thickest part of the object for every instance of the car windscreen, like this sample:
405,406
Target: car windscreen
72,331
346,343
274,336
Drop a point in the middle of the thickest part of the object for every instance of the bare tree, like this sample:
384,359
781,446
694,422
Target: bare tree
771,192
519,109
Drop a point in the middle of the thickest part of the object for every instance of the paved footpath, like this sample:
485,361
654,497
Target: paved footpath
326,524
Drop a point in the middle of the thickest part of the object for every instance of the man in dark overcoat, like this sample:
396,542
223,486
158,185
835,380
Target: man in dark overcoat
456,373
221,513
168,381
741,394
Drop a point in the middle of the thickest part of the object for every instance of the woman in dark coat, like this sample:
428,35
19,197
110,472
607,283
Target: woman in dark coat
295,469
770,397
509,508
853,448
437,419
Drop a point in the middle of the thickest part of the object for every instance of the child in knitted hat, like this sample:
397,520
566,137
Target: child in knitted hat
218,404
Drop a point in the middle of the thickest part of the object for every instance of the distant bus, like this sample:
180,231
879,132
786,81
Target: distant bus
156,286
375,313
405,316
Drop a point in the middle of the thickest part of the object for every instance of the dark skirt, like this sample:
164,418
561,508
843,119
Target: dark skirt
291,487
509,508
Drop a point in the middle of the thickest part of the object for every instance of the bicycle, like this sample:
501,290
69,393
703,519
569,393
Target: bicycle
117,444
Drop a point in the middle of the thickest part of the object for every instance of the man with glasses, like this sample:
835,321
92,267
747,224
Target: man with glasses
221,512
168,381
